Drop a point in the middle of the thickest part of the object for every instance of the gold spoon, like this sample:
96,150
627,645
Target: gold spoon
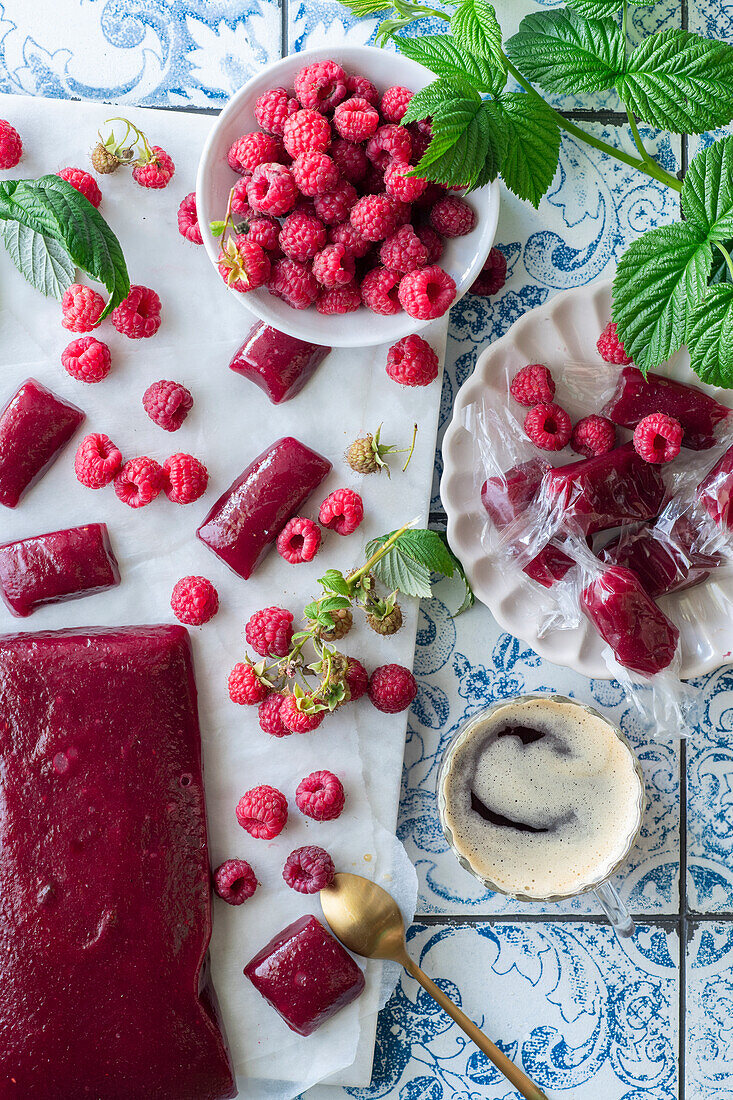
368,921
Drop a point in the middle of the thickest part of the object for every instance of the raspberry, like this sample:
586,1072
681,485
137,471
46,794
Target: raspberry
334,207
188,220
394,103
334,266
452,217
392,688
302,236
359,86
320,85
82,182
412,362
235,881
387,624
81,307
427,293
139,481
139,315
397,182
379,291
11,147
241,210
314,173
343,620
403,251
269,632
294,283
194,601
273,108
104,160
97,461
344,233
306,132
309,869
357,679
492,276
297,720
532,385
341,511
186,478
299,540
350,159
338,300
658,438
252,149
364,456
433,243
376,217
610,347
245,686
421,134
373,182
243,264
262,812
320,796
272,189
87,359
356,119
269,716
389,143
593,435
548,426
264,230
433,193
167,404
158,172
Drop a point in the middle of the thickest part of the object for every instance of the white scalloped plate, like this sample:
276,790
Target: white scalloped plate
564,329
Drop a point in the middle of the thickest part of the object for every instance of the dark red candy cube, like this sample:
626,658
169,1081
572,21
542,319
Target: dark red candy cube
637,397
279,364
663,561
550,565
624,614
507,496
34,426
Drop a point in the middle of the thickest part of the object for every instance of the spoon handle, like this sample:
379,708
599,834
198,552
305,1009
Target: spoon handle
513,1073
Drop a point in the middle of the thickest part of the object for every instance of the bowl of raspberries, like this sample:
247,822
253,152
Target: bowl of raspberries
309,212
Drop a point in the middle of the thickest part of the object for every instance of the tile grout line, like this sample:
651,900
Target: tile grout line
284,24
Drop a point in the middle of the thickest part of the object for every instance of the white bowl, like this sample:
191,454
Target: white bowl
463,257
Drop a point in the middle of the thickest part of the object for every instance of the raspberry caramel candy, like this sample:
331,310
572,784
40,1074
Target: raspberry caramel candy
34,426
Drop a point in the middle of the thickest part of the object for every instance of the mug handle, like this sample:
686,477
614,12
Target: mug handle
615,910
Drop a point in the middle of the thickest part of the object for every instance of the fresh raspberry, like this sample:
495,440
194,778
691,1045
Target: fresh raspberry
87,359
264,230
11,147
241,210
491,277
269,716
548,426
427,293
388,624
412,362
272,189
245,686
532,385
294,282
373,182
433,193
320,85
158,172
356,119
397,182
320,796
167,404
610,347
394,103
269,632
341,511
97,461
304,206
309,869
379,291
403,251
139,315
334,207
390,142
194,601
188,219
376,217
262,812
359,86
306,132
452,217
252,149
297,720
273,108
139,481
186,478
392,688
235,881
421,134
302,236
350,159
338,300
299,540
593,435
357,679
81,307
82,182
334,266
243,264
658,438
314,173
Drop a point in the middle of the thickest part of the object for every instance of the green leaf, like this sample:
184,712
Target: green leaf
475,27
679,81
532,145
468,142
399,571
720,272
443,56
429,549
43,261
707,190
710,336
658,278
334,603
217,228
52,207
366,7
565,52
334,581
437,98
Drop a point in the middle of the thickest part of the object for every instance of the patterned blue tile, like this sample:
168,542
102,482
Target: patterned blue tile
709,1017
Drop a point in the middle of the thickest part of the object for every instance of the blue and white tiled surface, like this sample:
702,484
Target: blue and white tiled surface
588,1016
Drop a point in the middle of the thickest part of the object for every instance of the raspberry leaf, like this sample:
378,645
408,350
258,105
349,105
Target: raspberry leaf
710,336
334,581
443,56
468,142
42,260
475,27
415,554
437,98
707,190
532,145
568,53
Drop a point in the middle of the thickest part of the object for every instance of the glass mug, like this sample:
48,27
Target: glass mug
457,801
